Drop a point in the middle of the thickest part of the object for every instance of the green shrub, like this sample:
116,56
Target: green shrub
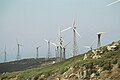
63,70
36,77
77,65
107,66
101,63
118,64
89,65
97,74
114,61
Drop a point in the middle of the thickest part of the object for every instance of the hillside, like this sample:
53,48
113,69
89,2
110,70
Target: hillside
99,64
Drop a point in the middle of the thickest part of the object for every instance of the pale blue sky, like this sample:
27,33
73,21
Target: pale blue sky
31,21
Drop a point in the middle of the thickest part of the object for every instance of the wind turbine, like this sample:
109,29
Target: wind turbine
75,48
113,3
5,53
37,55
58,50
58,46
99,36
18,50
49,53
64,50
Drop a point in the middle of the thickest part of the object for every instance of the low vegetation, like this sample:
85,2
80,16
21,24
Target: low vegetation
74,68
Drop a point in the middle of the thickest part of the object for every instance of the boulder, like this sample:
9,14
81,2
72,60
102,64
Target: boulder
85,57
96,56
111,48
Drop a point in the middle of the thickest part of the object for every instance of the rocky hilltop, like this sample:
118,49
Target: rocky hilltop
99,64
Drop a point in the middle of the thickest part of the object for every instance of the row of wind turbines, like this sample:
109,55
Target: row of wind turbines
60,49
18,57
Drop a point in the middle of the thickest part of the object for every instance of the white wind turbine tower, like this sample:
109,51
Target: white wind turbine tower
99,37
64,50
75,47
37,55
60,43
48,44
18,50
59,49
113,3
5,53
56,50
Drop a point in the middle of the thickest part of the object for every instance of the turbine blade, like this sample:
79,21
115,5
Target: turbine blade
92,43
53,43
113,3
74,21
77,33
87,47
67,44
66,29
46,40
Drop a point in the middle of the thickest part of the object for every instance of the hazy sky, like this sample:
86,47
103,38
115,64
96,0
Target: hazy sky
32,21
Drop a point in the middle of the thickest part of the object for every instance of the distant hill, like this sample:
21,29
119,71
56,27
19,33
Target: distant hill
99,64
23,64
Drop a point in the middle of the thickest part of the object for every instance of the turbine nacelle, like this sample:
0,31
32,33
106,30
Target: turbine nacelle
19,44
38,47
46,40
100,33
56,44
60,44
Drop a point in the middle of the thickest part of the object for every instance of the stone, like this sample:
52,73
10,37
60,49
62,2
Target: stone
85,57
96,56
111,48
92,75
